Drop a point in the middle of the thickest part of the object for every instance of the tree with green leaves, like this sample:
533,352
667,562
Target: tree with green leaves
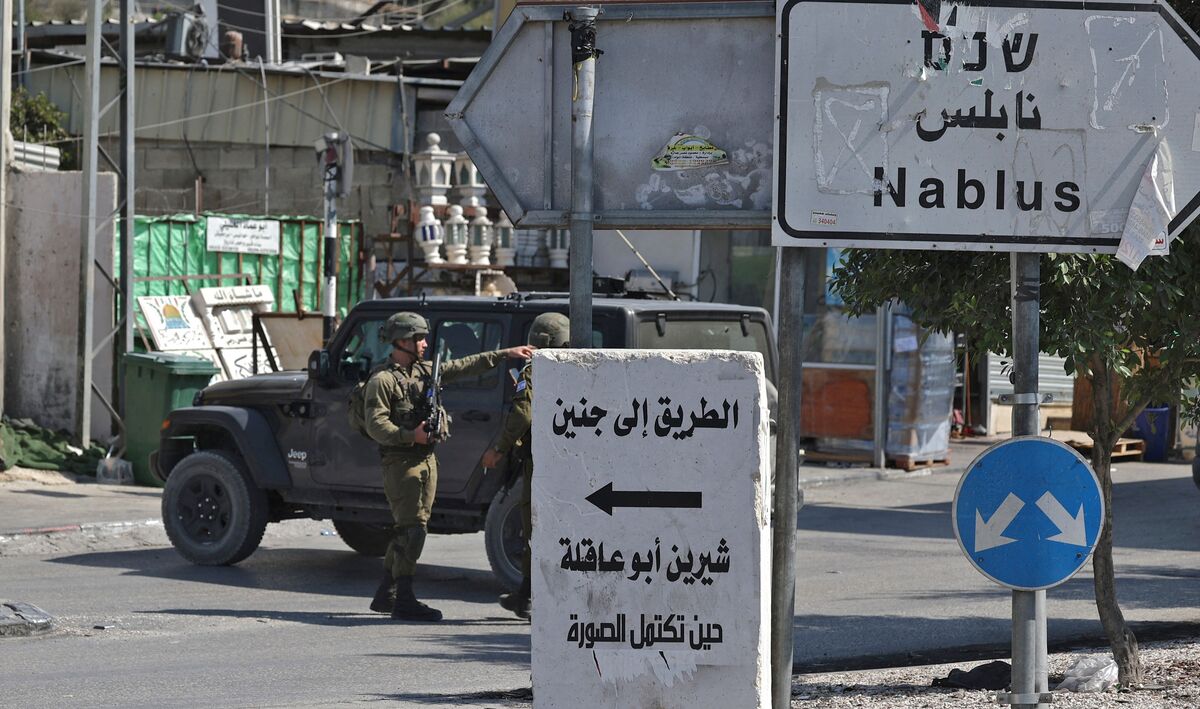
35,119
1111,324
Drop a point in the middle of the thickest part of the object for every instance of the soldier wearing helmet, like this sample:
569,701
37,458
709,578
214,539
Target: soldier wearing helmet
393,417
547,330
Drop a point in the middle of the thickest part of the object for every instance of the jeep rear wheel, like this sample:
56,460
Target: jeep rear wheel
366,539
503,537
212,513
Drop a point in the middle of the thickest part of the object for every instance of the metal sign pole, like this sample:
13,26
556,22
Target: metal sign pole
331,171
1029,671
787,474
583,59
87,250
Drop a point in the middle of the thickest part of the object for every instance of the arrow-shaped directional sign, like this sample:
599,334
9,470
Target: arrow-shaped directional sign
1071,528
606,498
1016,545
990,534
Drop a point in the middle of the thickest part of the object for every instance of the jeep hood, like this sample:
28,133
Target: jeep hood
259,389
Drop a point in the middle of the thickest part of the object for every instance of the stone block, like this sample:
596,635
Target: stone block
165,158
238,158
673,483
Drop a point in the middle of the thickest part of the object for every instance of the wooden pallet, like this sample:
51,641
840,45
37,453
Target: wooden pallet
905,463
1131,448
909,464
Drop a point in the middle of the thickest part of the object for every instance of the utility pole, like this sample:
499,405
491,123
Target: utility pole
336,156
6,31
87,250
583,58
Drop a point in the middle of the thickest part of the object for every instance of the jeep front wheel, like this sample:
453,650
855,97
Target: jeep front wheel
212,513
503,537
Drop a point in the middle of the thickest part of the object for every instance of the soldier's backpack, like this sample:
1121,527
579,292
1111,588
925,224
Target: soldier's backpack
356,406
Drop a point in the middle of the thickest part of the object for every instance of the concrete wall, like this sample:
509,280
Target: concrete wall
41,299
236,178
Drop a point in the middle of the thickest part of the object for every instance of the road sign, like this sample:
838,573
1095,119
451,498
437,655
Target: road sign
681,121
651,548
1003,125
1027,512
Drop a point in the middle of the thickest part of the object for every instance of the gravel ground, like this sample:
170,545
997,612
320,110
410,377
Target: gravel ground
1172,672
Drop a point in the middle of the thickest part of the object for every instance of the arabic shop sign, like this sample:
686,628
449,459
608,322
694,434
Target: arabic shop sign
243,236
999,125
651,564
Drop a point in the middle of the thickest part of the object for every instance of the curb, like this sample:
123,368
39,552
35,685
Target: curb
862,475
83,527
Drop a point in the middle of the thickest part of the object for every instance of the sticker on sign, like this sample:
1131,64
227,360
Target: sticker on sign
651,553
1001,125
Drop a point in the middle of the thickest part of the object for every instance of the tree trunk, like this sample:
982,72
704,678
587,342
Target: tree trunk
1120,638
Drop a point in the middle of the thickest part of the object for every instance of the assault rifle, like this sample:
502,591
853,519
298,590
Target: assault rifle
435,421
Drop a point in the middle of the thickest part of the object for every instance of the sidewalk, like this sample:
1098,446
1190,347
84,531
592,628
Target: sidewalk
40,502
962,452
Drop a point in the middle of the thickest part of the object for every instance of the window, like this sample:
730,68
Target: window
461,338
363,351
707,335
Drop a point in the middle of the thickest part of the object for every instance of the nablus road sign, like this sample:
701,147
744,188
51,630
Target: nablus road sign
1006,125
1027,512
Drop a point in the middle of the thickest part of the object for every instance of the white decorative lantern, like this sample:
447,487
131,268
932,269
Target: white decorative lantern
480,247
469,187
506,245
433,167
456,236
430,235
558,244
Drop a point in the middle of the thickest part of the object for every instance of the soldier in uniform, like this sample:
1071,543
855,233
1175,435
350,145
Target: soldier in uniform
395,417
547,330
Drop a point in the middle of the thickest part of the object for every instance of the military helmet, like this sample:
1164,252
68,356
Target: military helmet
550,330
404,326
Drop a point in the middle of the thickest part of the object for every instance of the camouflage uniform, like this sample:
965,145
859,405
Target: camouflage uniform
395,399
515,437
547,330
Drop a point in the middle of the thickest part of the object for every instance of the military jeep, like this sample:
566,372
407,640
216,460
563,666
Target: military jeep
280,446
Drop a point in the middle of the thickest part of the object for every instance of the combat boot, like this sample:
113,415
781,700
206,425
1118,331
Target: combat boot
407,607
385,595
518,602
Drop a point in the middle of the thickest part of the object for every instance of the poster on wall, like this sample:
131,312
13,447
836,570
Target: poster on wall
227,312
173,324
242,236
239,363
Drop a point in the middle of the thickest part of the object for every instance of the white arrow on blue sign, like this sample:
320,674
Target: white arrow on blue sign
1027,512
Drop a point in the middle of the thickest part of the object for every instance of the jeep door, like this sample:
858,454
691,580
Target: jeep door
340,456
475,404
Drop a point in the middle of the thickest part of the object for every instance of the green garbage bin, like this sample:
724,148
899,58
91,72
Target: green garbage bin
157,383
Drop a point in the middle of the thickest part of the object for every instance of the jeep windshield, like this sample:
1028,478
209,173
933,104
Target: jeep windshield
708,334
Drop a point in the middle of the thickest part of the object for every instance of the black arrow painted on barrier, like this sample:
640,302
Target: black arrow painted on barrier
606,498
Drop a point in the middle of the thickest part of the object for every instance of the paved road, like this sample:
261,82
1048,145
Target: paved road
880,577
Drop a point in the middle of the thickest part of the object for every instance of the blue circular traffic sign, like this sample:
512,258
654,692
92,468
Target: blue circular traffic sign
1027,512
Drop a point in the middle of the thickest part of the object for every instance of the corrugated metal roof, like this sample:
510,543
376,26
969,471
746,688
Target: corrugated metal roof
227,103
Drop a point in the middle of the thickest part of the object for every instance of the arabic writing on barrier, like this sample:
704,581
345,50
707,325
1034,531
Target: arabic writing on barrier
1028,117
688,567
649,631
669,422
